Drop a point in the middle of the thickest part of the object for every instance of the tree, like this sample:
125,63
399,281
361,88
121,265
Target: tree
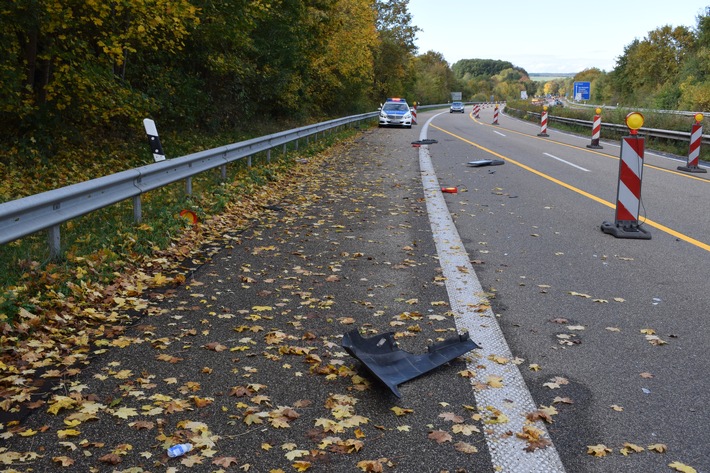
395,50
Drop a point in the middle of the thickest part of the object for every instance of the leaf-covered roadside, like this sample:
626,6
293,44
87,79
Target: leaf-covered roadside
242,358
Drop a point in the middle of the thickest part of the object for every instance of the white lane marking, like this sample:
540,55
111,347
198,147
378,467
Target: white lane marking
501,134
467,298
566,162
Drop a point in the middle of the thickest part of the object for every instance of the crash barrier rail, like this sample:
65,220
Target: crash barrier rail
48,210
652,132
642,110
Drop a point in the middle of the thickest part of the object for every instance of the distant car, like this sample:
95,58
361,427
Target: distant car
558,103
457,107
396,112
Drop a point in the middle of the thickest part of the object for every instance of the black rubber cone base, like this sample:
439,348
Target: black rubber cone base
595,147
692,169
629,231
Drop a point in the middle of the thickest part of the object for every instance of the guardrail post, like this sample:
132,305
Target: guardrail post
188,185
137,209
223,172
54,239
268,155
249,161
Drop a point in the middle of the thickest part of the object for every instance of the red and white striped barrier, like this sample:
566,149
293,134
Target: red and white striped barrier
414,114
596,130
495,115
543,122
628,192
477,110
696,137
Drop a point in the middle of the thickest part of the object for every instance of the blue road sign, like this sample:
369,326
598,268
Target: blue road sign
581,90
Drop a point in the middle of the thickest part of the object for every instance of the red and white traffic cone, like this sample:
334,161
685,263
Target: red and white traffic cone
543,122
696,137
477,110
495,115
596,130
628,193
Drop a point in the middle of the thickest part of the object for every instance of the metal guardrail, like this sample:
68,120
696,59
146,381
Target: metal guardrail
654,132
48,210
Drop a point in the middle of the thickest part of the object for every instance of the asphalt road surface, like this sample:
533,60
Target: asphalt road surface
586,340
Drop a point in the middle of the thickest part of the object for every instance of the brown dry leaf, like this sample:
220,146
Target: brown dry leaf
439,436
63,460
494,381
111,459
372,466
216,346
450,416
646,375
563,400
464,447
617,408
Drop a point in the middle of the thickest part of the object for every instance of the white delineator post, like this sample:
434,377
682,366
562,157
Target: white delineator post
628,194
153,141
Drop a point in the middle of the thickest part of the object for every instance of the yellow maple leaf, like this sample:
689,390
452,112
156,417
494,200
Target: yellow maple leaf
125,412
61,402
62,434
630,448
293,454
301,465
599,450
401,411
658,447
494,381
678,466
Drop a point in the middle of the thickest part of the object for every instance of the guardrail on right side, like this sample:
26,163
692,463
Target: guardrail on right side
654,132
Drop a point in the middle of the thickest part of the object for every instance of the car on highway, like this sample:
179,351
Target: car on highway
457,107
395,112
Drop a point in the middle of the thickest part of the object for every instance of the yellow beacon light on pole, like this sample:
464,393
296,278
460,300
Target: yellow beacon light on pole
598,111
699,117
634,121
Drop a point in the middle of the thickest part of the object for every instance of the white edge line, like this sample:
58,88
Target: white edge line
501,134
566,162
467,299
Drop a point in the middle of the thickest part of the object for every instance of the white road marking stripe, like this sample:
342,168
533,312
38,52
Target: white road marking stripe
501,134
467,298
566,162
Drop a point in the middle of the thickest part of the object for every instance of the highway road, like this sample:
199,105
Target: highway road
613,332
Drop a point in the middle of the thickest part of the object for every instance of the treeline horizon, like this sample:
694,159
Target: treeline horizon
77,74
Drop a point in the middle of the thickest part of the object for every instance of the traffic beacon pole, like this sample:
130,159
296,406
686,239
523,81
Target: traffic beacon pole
596,130
628,192
543,122
495,115
696,136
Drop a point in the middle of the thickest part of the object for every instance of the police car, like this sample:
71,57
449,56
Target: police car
395,112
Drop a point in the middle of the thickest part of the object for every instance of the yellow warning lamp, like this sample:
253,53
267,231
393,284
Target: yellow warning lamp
598,111
699,117
634,121
544,107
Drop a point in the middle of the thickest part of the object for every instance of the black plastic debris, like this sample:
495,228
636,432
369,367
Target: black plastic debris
392,365
486,162
427,141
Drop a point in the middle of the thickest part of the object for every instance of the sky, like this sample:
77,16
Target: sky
550,36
